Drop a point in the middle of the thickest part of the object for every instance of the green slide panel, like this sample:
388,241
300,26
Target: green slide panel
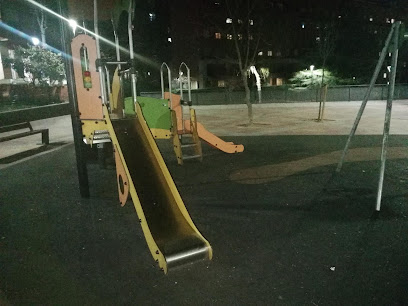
155,111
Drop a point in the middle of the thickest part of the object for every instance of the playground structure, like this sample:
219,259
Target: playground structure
170,233
186,127
165,117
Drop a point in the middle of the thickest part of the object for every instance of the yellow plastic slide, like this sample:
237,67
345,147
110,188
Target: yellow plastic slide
171,235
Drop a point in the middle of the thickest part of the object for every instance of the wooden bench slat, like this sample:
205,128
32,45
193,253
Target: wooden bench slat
44,132
17,126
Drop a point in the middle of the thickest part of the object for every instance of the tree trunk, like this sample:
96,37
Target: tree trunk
321,104
247,97
43,41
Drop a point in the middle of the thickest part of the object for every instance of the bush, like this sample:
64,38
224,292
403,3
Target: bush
311,78
44,66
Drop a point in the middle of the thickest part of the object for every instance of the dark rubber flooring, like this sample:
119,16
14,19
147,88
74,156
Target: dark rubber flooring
305,239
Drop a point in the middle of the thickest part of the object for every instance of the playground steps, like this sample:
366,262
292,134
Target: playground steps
197,154
181,145
187,157
189,145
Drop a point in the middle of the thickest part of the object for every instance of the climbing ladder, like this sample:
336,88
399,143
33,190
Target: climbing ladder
187,145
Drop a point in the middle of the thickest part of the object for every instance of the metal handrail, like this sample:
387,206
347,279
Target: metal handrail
188,81
164,65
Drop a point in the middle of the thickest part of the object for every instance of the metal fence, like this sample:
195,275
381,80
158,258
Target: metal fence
285,94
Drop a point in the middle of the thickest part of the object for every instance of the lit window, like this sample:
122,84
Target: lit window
239,36
392,20
148,73
152,16
217,35
318,38
387,20
216,3
339,16
260,53
371,19
279,82
303,25
270,53
169,39
221,83
385,75
229,36
251,22
229,20
240,21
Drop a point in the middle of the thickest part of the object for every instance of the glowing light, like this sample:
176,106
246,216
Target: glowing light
107,41
73,24
258,78
29,38
35,41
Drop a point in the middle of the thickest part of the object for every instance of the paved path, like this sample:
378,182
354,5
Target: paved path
269,119
299,119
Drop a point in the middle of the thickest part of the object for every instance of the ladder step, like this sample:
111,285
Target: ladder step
104,136
188,145
186,157
101,132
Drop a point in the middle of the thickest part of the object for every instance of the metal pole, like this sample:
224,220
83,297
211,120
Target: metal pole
387,121
117,48
98,53
367,95
76,123
132,56
189,84
164,65
108,82
181,90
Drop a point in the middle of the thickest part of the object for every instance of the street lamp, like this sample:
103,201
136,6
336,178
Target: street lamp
35,41
311,71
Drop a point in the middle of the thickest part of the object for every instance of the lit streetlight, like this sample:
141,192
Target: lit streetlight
35,41
73,24
311,71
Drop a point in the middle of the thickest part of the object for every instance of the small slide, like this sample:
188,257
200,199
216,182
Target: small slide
211,139
170,233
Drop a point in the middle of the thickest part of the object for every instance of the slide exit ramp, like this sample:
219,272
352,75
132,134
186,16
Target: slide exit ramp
213,140
171,235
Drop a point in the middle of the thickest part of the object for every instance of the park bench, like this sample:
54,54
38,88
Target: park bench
23,126
5,92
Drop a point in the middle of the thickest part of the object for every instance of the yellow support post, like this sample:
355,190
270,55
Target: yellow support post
194,131
176,139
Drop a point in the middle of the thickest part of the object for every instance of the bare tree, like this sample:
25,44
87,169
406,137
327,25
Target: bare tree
245,40
42,23
326,44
